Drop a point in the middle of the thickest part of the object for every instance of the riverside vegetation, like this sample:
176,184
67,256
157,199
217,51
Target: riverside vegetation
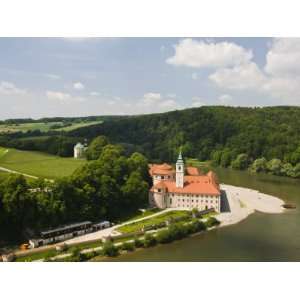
113,247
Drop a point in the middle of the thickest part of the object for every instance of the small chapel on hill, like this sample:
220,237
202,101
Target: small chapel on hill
183,188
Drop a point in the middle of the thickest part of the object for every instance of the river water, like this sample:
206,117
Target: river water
260,237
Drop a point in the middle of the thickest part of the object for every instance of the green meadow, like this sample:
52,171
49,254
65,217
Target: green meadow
38,164
44,127
138,225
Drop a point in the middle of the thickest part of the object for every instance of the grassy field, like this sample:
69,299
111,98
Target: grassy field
9,128
2,151
44,127
78,125
3,175
38,164
138,226
204,166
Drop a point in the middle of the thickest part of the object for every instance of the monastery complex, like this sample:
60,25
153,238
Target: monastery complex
183,188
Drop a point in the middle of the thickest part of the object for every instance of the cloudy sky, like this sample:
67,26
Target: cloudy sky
78,77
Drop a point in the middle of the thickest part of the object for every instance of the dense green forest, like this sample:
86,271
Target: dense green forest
110,186
272,132
225,135
221,134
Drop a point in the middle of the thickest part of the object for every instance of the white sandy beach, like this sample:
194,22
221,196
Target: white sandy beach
241,202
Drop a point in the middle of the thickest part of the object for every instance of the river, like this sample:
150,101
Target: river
260,237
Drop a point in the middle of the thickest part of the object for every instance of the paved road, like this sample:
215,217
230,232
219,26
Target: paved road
112,230
16,172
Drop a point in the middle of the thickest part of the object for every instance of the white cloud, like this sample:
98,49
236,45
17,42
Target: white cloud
225,99
53,76
94,94
285,88
151,98
200,54
155,102
247,76
169,103
58,96
283,58
197,102
9,88
280,77
171,95
78,86
194,76
63,97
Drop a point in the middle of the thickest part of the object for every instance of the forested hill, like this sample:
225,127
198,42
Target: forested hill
270,132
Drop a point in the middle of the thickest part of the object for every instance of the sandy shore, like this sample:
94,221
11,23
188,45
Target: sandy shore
239,203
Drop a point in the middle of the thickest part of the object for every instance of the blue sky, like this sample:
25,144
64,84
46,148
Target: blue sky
42,77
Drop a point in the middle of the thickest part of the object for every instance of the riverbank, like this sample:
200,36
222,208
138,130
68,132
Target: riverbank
239,203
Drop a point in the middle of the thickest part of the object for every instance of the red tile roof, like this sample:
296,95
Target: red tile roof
193,171
163,169
203,184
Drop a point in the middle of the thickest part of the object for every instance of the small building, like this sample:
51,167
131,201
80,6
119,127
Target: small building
184,188
79,150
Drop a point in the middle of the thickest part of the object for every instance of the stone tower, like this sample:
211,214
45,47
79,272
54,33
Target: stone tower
179,171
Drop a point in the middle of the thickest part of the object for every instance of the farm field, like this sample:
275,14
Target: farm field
10,128
38,164
78,125
44,127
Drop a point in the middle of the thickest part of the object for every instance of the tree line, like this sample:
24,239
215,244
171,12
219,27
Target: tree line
274,166
218,133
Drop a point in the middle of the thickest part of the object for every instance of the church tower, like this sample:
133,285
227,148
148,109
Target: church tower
179,171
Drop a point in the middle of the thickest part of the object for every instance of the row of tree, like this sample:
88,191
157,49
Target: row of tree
274,166
108,187
57,145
